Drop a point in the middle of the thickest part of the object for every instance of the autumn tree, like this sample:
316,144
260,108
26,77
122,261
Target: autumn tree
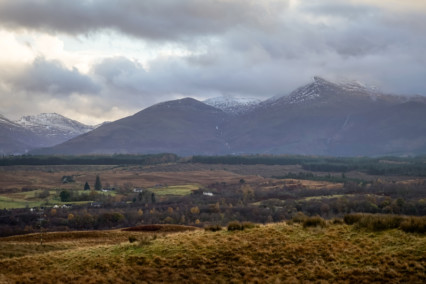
195,210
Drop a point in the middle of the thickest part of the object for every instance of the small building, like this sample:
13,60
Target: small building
96,204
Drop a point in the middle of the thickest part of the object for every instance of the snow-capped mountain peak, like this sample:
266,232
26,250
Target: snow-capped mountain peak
5,121
53,124
233,105
321,88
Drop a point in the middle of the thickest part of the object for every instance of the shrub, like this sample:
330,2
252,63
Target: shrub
213,228
299,217
337,221
234,226
145,241
414,225
351,219
381,222
248,225
315,221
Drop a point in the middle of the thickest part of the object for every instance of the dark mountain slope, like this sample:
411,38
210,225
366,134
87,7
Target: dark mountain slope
184,126
323,118
394,130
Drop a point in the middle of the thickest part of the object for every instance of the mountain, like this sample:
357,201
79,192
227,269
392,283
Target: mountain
14,138
233,105
326,118
43,130
53,127
320,118
184,126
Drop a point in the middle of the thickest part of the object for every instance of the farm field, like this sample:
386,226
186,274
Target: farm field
35,177
272,253
20,186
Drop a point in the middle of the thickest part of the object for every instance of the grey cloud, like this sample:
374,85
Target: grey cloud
199,76
359,29
261,67
157,20
44,76
249,50
339,9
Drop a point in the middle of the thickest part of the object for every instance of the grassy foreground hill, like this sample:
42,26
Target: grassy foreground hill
274,253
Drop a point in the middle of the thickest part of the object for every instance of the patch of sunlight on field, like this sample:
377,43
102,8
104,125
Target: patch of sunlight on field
10,203
180,190
327,196
30,199
30,194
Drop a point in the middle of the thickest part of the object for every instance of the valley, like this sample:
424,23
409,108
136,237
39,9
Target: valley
213,219
203,190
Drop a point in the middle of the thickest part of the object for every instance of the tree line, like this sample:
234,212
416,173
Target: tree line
119,159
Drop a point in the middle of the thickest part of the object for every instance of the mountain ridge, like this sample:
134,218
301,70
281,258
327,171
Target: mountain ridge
34,131
233,105
319,118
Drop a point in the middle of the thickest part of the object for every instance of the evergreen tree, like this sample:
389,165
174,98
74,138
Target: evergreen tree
65,196
86,186
98,185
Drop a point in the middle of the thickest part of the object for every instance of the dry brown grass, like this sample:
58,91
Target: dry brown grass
276,253
160,228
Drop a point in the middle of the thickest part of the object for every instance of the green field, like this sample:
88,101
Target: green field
31,199
177,190
9,203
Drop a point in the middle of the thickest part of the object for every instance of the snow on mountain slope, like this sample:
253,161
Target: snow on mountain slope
43,130
5,121
233,105
321,87
53,127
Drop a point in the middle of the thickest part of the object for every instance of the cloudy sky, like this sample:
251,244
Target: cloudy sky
97,60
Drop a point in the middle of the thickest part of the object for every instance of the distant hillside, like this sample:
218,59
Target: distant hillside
320,118
53,127
14,138
43,130
185,127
